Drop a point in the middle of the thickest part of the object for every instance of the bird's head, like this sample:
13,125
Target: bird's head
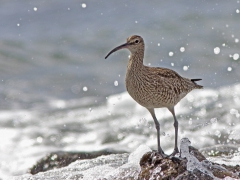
134,43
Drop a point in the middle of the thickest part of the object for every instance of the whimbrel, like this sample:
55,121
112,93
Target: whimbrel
154,87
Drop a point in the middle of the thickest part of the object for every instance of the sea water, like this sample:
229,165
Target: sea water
59,93
121,124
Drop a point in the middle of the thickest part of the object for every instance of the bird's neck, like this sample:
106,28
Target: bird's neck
136,60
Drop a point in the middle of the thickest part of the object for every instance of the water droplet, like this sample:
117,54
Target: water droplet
236,40
216,50
149,126
121,136
190,98
18,24
170,53
213,120
136,22
115,83
190,121
141,120
54,157
233,111
229,68
185,68
182,49
235,56
35,8
223,44
90,109
85,88
218,133
172,64
39,139
84,5
237,11
159,44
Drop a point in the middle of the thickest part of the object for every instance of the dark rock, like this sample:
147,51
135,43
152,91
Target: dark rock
61,159
153,166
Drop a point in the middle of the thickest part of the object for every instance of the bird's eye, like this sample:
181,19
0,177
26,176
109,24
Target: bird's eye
137,41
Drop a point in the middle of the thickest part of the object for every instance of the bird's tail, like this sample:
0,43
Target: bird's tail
197,86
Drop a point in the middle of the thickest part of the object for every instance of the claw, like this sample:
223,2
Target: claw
160,153
175,151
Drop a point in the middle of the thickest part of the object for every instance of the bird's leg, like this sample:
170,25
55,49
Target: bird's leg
175,151
157,125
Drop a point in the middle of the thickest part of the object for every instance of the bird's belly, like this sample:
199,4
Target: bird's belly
151,99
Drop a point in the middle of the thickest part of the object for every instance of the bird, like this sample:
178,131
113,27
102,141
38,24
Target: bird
154,87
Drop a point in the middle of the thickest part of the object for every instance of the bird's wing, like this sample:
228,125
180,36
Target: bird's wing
167,73
169,80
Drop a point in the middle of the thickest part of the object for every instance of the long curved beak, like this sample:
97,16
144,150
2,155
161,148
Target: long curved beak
117,48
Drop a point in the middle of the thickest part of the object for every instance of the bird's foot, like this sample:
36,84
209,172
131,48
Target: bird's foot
161,153
176,159
175,151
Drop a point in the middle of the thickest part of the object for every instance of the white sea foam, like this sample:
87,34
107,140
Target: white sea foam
104,167
119,124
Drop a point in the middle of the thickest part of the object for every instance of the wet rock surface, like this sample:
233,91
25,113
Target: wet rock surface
153,166
61,159
189,164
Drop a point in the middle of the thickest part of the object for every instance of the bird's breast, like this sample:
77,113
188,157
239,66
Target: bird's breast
148,92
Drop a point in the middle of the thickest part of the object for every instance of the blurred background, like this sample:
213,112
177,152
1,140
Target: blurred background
56,87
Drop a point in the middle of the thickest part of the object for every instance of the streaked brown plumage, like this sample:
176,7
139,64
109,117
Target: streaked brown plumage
154,87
